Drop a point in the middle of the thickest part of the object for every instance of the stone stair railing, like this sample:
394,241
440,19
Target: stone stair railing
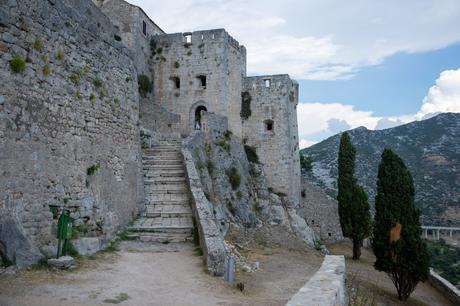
211,239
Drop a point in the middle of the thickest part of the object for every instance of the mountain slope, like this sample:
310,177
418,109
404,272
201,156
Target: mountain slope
430,149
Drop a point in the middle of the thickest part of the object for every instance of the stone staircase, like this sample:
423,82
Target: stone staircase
168,216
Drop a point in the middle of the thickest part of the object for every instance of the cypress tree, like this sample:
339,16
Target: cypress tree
355,218
397,243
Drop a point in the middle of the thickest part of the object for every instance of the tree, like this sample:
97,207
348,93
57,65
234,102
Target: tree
397,243
306,163
355,217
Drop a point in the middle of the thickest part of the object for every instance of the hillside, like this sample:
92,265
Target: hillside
431,150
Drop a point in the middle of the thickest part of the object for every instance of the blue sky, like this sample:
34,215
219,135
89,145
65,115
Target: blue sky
369,63
395,87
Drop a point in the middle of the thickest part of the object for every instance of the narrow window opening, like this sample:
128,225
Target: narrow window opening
269,125
329,234
144,28
213,36
188,38
176,82
202,79
202,36
267,83
312,221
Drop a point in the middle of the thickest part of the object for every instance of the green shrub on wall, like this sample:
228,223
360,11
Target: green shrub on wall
234,178
145,85
245,105
17,64
251,154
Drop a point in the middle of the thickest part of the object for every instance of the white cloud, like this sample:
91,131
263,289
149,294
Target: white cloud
320,120
326,40
444,96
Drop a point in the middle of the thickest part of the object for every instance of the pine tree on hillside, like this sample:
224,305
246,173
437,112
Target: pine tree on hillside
397,243
355,217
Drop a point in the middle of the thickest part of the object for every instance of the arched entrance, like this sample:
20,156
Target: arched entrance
198,110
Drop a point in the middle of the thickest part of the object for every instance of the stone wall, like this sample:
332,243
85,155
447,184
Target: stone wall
161,123
326,288
211,238
180,59
445,287
130,19
321,212
273,101
69,133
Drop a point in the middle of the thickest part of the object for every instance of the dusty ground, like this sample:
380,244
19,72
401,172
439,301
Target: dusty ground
140,274
376,288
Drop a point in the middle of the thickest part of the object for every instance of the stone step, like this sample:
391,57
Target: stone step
150,191
164,173
153,153
169,210
168,203
163,162
177,214
180,221
162,229
172,180
163,167
161,237
174,197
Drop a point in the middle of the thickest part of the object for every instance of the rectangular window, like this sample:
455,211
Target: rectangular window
267,82
188,38
202,79
144,28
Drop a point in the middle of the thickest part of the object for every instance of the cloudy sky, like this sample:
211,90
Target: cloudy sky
369,63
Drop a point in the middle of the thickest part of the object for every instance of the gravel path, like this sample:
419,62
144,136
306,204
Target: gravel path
141,274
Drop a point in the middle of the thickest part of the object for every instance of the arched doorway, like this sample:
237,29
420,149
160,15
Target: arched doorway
198,111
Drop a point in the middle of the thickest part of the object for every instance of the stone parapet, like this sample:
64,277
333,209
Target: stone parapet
445,287
211,239
326,288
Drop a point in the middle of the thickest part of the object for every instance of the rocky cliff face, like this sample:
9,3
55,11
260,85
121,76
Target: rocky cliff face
431,150
237,188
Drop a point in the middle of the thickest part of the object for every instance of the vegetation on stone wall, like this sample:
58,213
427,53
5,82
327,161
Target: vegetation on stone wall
60,55
245,105
91,170
145,85
38,44
397,243
354,210
251,154
306,163
234,178
46,70
225,145
17,64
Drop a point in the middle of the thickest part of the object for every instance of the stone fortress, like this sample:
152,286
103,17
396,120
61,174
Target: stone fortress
79,132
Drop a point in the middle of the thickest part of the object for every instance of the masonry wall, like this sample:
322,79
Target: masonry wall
278,149
321,212
74,108
213,54
129,20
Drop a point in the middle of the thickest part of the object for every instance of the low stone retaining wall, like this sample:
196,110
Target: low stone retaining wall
445,287
211,239
326,288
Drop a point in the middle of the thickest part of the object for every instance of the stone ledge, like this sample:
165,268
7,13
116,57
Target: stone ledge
326,288
211,239
445,287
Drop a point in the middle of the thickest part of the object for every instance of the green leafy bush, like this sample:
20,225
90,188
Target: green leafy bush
46,70
176,65
17,64
91,170
210,166
251,154
97,82
245,112
145,85
306,163
38,44
225,145
234,178
60,55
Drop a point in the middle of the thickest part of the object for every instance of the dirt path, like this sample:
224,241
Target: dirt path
376,287
157,275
